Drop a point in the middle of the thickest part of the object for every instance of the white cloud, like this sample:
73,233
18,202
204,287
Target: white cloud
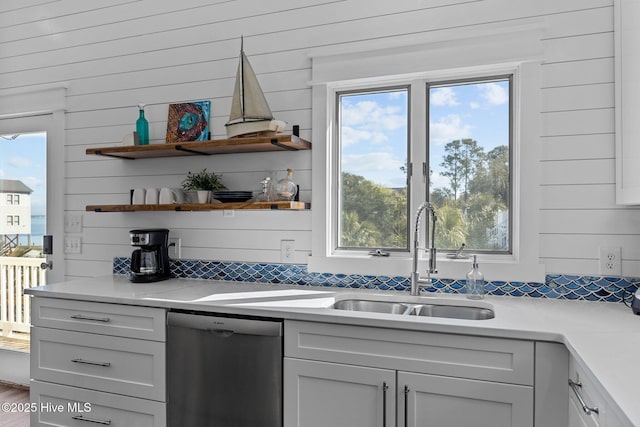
369,122
448,129
19,162
494,94
352,136
474,105
373,115
439,181
378,167
1,173
32,181
444,96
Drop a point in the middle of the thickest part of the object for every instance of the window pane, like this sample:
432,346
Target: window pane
372,199
469,161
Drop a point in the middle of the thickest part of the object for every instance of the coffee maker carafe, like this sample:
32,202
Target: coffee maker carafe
150,263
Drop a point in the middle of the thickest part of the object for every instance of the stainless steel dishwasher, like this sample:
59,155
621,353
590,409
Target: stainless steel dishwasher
223,371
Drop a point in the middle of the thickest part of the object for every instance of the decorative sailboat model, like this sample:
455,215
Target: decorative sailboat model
250,113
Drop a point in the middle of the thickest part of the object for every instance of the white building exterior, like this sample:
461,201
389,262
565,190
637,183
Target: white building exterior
15,207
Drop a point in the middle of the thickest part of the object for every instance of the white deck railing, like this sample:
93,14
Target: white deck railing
17,274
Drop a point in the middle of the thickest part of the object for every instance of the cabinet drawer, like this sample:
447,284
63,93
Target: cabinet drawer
590,395
117,365
100,318
493,359
61,405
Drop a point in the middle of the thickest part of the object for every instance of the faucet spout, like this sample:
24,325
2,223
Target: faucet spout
416,279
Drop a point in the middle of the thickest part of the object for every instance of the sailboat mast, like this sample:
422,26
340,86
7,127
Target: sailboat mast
242,76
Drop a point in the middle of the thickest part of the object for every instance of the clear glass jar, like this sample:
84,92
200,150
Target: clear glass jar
286,189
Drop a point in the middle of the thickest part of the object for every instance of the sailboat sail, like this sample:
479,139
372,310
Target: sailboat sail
249,106
249,102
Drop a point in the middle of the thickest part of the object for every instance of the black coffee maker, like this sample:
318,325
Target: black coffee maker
150,263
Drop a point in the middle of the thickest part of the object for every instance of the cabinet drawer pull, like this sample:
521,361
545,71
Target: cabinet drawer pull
576,389
406,406
90,362
93,319
91,420
385,387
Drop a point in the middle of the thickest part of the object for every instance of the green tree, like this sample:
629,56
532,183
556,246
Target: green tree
462,160
451,229
373,216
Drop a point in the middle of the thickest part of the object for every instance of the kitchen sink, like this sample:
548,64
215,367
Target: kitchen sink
411,309
371,306
452,311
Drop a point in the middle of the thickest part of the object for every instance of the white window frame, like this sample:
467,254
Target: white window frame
480,55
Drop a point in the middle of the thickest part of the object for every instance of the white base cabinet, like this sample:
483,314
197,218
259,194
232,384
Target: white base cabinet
97,364
360,376
589,405
331,394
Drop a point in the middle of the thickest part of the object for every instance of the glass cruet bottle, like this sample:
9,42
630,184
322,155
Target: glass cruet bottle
286,189
263,196
142,127
475,282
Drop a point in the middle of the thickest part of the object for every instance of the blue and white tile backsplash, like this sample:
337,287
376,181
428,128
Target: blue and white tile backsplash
591,288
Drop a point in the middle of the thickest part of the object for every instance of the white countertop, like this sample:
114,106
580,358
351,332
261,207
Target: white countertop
603,337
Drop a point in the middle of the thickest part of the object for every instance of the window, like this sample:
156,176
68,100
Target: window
373,199
16,220
16,199
9,220
469,143
505,232
9,199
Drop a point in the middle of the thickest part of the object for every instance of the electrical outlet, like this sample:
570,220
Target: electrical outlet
611,261
287,250
175,248
72,245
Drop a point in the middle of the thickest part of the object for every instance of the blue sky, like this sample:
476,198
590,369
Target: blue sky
374,128
24,158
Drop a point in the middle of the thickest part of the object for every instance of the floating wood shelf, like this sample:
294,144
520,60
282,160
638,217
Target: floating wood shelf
187,207
216,146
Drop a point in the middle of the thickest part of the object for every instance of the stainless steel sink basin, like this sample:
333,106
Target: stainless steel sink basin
453,312
411,309
371,306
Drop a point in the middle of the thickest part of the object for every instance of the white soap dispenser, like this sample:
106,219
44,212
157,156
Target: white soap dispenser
475,282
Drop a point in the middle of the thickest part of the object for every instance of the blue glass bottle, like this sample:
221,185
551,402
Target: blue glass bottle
142,127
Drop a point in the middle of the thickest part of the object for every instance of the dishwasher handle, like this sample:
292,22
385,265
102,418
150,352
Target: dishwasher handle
230,325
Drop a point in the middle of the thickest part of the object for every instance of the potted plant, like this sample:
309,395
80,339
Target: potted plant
203,183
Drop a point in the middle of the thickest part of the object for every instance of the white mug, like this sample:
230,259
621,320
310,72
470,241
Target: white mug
167,196
138,197
151,196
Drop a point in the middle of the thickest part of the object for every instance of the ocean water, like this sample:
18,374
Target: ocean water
38,226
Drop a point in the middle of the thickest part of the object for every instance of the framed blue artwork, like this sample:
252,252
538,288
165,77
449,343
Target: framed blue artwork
188,121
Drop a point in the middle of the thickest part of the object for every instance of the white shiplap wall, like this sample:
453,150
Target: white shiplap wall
113,54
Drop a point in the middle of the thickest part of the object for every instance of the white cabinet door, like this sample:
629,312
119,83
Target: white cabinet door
627,70
321,394
430,400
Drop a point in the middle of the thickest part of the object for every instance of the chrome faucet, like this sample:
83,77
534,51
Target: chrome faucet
416,279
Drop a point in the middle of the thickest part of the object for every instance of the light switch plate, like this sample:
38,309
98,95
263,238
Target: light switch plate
73,223
72,245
